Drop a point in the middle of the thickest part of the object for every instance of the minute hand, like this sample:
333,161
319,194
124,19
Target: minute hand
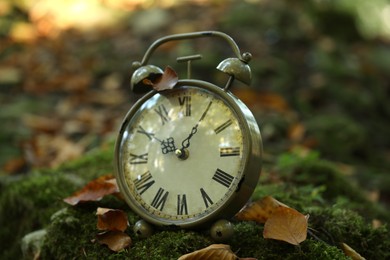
186,142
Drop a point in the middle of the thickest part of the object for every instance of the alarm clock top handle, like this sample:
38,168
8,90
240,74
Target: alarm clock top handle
236,68
185,36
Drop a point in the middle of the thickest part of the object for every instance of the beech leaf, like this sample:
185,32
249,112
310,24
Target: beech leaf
286,224
167,80
259,210
111,219
349,251
94,190
115,240
215,251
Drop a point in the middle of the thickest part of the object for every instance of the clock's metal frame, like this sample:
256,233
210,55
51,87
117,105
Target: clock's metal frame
251,166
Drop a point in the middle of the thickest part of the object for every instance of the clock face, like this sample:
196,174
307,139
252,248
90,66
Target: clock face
182,155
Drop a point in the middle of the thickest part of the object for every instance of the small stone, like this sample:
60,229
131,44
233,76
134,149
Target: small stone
32,244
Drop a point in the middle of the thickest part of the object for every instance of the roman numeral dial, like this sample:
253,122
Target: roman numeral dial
190,120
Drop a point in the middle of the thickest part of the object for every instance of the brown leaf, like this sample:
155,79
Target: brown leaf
286,224
111,219
43,124
94,190
215,251
165,81
265,100
49,151
259,210
296,132
115,240
14,165
349,251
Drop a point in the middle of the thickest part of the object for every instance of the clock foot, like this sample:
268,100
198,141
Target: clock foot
222,230
143,229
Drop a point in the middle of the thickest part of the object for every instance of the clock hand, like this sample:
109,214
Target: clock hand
182,153
186,142
168,145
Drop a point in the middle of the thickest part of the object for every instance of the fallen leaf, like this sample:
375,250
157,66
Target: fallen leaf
296,132
286,224
165,81
94,190
43,124
15,165
259,210
115,240
111,219
376,223
349,251
215,251
46,150
262,99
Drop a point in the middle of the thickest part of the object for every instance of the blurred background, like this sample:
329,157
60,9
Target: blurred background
320,68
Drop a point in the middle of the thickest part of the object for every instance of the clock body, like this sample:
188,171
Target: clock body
188,156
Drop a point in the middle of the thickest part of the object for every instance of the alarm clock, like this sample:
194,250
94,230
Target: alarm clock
188,156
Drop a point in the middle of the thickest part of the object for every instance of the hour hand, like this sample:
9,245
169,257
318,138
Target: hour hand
168,145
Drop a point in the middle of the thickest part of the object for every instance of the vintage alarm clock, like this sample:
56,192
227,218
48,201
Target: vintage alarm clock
189,156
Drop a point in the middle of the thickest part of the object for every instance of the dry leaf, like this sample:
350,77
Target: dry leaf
286,224
15,165
376,223
215,251
165,81
349,251
265,100
259,210
94,190
115,240
296,132
111,219
46,150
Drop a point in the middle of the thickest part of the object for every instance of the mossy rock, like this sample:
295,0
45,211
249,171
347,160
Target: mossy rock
311,185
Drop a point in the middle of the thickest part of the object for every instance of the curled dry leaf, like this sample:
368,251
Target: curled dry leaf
259,210
349,251
215,251
165,81
94,190
115,240
286,224
111,219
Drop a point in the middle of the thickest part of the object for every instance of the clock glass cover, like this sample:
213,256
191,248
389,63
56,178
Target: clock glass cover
182,155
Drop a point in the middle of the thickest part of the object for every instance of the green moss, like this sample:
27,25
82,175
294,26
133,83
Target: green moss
304,172
309,184
336,225
71,235
27,204
77,226
338,136
169,245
